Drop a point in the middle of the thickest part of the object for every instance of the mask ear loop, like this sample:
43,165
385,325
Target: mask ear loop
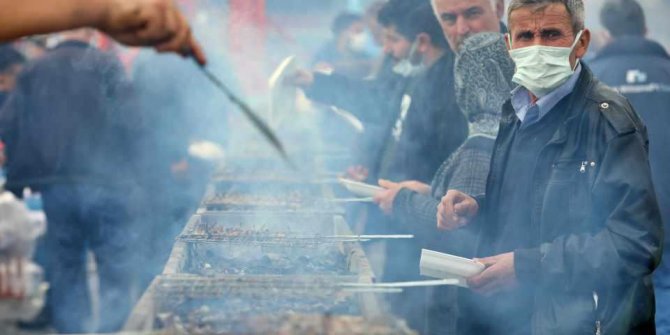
413,50
574,45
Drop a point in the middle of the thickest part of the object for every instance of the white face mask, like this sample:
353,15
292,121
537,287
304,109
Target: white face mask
358,42
406,67
541,69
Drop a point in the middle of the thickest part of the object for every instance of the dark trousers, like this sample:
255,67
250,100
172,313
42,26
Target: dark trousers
82,218
662,291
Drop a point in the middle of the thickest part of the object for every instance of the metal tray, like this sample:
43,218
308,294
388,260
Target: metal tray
200,251
225,305
287,197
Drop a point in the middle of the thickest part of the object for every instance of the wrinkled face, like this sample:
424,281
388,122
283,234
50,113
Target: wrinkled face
8,78
395,44
549,26
462,18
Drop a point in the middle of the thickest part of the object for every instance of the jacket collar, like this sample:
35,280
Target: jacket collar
632,45
575,105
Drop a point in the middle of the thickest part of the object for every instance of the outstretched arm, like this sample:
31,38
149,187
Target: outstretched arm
155,23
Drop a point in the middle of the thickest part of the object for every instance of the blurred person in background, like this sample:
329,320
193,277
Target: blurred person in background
427,129
346,53
70,129
461,19
569,226
11,63
639,69
375,29
367,99
181,106
155,23
429,125
483,74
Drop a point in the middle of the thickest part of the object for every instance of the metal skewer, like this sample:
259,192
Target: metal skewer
422,283
288,239
350,200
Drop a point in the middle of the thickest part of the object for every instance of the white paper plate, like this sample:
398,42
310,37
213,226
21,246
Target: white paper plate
360,189
440,265
282,96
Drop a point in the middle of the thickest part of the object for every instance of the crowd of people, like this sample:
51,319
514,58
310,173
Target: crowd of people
78,130
502,142
492,136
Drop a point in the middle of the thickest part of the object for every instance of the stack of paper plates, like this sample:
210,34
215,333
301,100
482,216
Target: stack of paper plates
360,189
444,266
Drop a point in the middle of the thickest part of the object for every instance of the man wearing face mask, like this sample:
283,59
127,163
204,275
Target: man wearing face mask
569,227
429,125
345,53
374,100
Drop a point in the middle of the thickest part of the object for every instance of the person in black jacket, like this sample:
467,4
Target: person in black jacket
639,69
70,128
375,100
569,228
11,63
428,128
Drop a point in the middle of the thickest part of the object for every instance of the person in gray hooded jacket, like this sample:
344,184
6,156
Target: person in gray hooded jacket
483,73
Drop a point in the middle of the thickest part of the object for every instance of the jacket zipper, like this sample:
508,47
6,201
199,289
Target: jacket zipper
595,304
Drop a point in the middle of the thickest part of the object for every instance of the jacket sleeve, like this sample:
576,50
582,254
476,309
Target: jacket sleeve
10,110
416,212
629,245
7,119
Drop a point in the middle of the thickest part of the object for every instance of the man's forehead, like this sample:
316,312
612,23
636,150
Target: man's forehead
530,18
460,5
391,31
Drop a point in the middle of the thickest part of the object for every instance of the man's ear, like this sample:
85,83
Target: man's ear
508,41
583,45
424,41
500,9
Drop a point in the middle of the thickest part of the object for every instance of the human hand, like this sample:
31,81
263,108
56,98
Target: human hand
357,173
456,210
156,23
301,78
11,279
180,169
498,276
386,197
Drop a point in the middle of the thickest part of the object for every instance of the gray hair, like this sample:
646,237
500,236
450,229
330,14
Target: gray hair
494,3
575,9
